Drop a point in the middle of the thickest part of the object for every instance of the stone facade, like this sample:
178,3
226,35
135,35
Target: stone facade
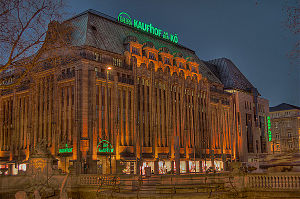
249,108
123,105
285,128
252,142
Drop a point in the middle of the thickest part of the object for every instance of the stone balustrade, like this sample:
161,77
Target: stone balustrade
282,181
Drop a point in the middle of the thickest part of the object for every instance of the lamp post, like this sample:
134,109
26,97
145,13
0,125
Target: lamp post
194,153
108,132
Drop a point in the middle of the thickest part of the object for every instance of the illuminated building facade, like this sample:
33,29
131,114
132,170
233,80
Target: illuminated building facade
285,128
250,111
122,99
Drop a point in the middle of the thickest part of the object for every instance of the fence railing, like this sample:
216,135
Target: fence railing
282,181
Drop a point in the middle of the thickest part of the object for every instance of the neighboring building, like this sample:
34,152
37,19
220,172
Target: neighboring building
250,110
285,128
122,100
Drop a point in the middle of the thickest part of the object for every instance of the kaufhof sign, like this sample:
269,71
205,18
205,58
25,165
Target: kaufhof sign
124,18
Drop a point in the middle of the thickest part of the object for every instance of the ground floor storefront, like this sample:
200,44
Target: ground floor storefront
108,164
169,166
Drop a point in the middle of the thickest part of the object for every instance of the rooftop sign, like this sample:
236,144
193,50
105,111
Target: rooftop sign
123,17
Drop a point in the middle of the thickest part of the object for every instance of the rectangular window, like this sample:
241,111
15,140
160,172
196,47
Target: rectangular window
62,97
117,62
152,56
97,57
187,67
194,70
181,65
167,61
288,124
135,51
249,133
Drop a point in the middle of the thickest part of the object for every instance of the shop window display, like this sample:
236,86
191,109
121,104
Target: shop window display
164,167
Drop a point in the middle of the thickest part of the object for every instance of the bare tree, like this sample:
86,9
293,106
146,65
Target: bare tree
23,30
292,10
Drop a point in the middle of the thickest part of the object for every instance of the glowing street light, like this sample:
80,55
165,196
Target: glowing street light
109,136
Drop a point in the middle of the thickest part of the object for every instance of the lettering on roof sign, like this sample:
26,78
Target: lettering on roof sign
124,18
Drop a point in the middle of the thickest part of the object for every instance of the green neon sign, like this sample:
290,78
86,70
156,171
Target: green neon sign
123,17
105,147
66,150
269,128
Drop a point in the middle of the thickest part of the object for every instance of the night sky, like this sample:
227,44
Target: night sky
251,33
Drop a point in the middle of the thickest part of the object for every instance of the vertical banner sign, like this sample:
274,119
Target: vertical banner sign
269,128
124,18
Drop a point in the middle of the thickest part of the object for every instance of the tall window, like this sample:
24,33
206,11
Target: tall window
288,124
117,62
187,67
194,69
167,61
97,57
135,51
181,65
152,56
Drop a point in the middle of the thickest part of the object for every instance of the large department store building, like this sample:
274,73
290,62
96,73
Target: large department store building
130,97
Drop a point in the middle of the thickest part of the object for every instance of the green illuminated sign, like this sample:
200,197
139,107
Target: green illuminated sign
66,150
269,128
105,147
123,17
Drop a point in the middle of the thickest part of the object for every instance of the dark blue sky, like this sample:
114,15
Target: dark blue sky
252,35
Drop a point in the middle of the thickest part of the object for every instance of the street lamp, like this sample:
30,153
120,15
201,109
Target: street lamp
109,137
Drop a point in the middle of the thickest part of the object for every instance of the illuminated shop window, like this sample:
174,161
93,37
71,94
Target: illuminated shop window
218,165
277,147
192,166
182,167
147,164
129,167
206,165
3,169
18,168
164,167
